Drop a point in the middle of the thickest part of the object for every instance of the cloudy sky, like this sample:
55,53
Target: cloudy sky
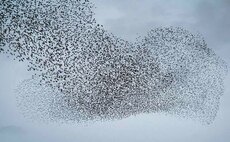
129,19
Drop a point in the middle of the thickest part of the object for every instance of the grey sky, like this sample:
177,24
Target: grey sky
128,19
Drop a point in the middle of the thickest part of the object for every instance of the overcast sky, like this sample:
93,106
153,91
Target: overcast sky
129,19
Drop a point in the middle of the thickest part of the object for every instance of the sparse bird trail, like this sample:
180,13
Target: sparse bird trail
84,73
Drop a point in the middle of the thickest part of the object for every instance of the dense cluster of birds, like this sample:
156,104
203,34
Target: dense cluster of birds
82,72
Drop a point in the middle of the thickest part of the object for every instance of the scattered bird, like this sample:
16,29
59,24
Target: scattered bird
102,76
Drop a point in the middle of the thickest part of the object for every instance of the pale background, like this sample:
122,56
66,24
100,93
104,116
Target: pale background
129,19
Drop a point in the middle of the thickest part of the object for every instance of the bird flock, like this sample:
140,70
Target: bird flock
82,73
